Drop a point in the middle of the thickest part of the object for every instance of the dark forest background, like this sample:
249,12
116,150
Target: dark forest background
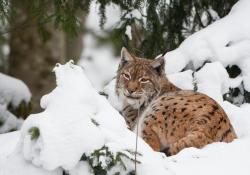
40,33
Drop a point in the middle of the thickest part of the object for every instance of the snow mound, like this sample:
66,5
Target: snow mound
13,91
226,40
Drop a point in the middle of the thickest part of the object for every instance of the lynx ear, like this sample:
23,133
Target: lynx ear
125,57
159,65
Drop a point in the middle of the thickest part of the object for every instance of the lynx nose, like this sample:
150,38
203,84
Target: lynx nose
132,87
131,91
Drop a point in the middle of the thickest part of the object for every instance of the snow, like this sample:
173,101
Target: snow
213,80
13,91
128,32
216,158
183,80
8,143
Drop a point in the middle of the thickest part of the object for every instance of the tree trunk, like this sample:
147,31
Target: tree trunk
74,46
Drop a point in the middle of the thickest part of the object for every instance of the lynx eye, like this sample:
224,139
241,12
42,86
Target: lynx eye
126,76
143,80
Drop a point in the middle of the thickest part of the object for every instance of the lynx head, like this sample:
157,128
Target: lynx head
138,79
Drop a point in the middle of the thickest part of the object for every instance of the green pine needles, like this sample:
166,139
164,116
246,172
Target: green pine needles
103,161
34,133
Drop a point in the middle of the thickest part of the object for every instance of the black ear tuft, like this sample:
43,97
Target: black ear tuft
123,62
159,65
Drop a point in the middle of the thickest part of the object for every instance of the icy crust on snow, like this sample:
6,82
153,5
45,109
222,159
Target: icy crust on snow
226,40
13,91
76,121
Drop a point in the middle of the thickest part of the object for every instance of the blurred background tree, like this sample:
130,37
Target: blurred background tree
41,33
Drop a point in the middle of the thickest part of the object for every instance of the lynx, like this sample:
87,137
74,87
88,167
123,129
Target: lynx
169,119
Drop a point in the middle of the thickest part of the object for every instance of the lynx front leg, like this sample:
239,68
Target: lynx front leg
195,139
151,138
130,115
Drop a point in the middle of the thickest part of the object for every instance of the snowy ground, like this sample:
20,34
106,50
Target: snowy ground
77,120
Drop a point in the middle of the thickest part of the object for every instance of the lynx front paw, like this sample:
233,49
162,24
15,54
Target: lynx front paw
166,151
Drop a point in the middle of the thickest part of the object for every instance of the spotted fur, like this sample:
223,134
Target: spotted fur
169,119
